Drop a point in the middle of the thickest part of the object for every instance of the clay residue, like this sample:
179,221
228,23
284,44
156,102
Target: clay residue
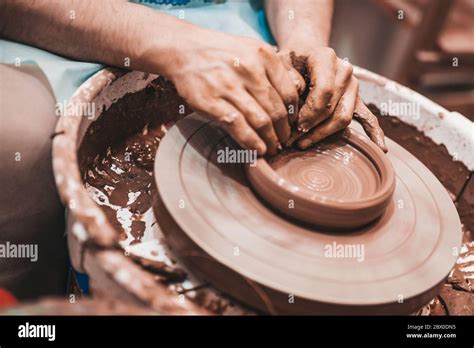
116,160
300,63
452,174
124,174
459,182
118,151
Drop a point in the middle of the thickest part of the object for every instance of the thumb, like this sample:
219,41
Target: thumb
370,124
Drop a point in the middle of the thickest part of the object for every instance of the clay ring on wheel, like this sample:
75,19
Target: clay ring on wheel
340,183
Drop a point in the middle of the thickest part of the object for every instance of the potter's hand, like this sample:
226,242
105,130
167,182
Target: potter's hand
331,94
332,99
304,27
239,82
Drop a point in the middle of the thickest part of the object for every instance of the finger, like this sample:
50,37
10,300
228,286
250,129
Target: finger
300,86
257,118
282,128
339,120
370,124
322,71
285,84
343,78
234,123
271,102
298,80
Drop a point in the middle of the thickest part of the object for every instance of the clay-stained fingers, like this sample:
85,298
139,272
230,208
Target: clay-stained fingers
343,78
370,124
257,118
322,72
340,119
341,82
271,102
233,122
298,80
280,120
285,81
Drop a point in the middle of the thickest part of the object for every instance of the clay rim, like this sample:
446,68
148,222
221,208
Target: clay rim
253,268
89,221
361,143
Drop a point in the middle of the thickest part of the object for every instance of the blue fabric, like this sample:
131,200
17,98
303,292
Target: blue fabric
181,3
83,282
238,17
64,75
244,18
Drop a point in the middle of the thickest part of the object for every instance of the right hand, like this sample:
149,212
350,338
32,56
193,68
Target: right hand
239,82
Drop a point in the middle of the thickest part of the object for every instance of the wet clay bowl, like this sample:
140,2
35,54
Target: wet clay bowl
341,183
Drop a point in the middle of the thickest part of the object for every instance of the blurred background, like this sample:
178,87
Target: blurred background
427,45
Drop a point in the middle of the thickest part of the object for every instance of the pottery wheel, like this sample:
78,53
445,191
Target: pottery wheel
292,268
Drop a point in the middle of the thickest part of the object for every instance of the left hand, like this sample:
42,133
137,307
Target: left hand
332,97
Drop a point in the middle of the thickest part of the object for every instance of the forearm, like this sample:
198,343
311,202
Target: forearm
300,24
112,32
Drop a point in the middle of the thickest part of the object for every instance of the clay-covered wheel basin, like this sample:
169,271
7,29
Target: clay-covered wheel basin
343,182
126,102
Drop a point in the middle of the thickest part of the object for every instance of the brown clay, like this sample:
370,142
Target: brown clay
343,182
218,218
451,173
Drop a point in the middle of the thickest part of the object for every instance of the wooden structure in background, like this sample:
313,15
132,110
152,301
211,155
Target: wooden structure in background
439,60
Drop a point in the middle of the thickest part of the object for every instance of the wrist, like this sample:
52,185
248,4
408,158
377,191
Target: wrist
164,47
303,46
304,38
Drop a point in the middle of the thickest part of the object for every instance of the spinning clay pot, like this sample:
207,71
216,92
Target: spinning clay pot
340,183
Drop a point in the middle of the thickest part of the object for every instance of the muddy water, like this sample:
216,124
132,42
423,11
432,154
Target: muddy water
124,174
